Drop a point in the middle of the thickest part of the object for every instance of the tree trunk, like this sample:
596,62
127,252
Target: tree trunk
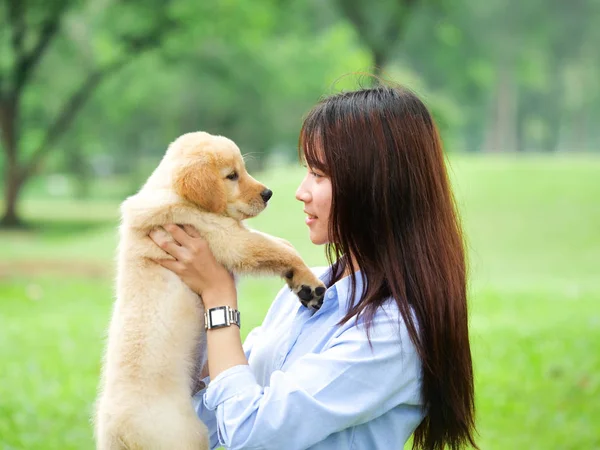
13,181
501,134
522,115
379,61
553,106
580,130
12,189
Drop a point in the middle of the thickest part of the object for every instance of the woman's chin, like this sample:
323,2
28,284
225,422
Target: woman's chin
318,239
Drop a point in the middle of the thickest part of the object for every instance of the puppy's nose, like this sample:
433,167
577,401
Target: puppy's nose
266,195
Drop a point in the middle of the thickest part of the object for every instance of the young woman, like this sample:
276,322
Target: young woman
387,355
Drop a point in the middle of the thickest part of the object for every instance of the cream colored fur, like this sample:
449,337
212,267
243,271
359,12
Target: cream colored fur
156,335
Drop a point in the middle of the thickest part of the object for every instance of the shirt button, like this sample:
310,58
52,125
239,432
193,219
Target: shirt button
330,294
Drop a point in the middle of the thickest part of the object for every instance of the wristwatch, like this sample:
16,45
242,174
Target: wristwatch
221,316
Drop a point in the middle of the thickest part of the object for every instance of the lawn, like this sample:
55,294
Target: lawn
533,232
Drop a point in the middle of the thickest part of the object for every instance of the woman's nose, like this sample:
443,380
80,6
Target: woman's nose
302,194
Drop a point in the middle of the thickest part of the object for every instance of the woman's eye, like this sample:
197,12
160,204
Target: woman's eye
315,174
233,176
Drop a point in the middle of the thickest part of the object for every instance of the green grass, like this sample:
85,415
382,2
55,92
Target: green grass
51,334
533,231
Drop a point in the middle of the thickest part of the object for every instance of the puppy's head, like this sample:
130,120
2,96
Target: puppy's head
210,172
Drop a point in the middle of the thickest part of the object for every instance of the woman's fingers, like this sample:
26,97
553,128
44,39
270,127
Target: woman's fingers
162,239
191,230
180,236
181,243
172,265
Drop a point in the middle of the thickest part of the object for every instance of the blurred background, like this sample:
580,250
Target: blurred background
92,92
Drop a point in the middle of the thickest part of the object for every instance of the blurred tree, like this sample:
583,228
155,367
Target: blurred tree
379,25
29,31
520,73
252,85
498,75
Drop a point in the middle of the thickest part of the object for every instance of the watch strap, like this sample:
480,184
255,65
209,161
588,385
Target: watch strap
221,316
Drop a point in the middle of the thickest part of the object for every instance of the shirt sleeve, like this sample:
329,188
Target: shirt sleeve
207,416
250,339
349,383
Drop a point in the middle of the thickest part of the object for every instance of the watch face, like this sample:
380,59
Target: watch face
217,318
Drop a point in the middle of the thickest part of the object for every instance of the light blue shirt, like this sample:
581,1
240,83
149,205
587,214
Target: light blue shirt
312,384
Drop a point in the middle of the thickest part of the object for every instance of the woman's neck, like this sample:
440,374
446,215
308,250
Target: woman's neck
347,270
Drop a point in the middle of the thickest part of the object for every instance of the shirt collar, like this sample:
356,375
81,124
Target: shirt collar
340,291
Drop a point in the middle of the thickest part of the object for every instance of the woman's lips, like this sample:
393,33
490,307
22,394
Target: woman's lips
310,219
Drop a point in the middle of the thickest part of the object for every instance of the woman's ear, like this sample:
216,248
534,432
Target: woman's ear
201,184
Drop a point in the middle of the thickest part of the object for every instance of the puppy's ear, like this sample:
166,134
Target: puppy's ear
201,184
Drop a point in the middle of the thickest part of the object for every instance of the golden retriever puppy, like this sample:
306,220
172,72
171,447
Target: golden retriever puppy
156,335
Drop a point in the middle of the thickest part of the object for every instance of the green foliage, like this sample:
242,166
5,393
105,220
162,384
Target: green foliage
532,230
498,76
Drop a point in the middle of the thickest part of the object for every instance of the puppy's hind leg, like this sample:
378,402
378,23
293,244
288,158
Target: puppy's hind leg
170,426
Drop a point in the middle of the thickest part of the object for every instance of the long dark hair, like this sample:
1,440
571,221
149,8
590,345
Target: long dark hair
393,211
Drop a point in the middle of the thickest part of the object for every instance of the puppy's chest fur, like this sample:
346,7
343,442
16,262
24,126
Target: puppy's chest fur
157,327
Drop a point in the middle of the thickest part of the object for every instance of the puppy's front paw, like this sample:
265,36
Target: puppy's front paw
309,297
309,289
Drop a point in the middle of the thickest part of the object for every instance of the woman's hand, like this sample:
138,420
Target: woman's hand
196,265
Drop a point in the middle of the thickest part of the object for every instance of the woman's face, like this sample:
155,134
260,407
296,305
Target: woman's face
315,193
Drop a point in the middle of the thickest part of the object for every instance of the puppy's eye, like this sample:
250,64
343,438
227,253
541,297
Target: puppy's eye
233,176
